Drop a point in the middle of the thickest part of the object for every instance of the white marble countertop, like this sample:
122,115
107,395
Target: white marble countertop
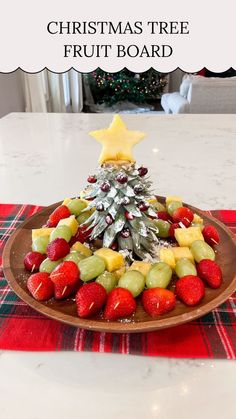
45,157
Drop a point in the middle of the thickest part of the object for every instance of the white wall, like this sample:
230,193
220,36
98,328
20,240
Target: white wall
11,93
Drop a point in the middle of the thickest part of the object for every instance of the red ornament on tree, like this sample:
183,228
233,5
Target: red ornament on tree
129,216
109,219
122,178
142,171
92,179
105,187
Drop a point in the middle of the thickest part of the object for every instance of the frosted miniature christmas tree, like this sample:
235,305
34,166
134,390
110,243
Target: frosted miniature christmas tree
123,217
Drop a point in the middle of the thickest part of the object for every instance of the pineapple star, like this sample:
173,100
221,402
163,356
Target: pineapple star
117,141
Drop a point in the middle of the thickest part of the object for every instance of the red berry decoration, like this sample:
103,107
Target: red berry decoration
138,188
172,229
210,272
58,214
33,260
120,303
129,216
57,249
92,179
67,273
190,289
157,301
125,233
183,215
89,299
143,206
142,171
40,286
122,178
105,187
109,219
211,235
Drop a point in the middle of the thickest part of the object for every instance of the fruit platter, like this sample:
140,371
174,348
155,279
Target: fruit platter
117,257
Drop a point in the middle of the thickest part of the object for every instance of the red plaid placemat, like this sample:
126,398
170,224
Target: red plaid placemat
22,328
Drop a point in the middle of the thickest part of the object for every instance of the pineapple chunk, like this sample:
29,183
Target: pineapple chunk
70,222
41,232
182,252
119,272
143,267
81,248
167,256
172,198
201,226
117,141
113,260
197,219
186,236
66,201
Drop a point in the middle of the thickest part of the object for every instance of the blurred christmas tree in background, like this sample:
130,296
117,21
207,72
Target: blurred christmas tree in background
111,88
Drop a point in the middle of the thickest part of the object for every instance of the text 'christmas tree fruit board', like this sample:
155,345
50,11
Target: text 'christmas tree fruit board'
117,258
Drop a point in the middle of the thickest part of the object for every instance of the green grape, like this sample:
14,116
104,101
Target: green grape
40,244
91,268
163,227
159,275
48,265
172,206
108,280
83,217
184,267
202,250
134,281
74,256
63,231
158,206
76,206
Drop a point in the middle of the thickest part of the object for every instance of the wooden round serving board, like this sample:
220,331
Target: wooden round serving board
65,311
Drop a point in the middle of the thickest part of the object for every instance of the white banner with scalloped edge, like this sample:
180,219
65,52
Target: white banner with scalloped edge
113,35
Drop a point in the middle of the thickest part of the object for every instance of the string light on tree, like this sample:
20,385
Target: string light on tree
110,88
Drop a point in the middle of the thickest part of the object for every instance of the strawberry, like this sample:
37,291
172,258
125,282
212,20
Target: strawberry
33,260
183,215
67,273
163,215
190,289
211,235
82,235
120,303
209,271
172,229
157,301
40,286
57,249
58,214
90,298
64,291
